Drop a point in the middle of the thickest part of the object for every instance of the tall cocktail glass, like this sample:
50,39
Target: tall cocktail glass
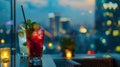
35,40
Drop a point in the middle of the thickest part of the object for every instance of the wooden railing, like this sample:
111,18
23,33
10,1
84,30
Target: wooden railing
96,62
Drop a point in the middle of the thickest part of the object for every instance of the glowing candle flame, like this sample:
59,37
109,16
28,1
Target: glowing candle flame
68,54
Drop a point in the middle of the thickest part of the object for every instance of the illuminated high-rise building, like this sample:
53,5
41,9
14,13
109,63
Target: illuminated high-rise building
57,21
107,24
54,23
98,15
64,25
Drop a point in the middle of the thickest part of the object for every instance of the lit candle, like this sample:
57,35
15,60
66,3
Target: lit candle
68,54
5,57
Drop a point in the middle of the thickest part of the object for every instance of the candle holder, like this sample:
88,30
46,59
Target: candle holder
5,57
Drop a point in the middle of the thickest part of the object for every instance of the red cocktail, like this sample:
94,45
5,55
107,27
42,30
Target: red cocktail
35,42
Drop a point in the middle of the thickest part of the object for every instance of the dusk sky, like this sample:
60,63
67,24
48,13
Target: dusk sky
79,11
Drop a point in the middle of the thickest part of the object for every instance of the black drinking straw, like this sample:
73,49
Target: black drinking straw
24,16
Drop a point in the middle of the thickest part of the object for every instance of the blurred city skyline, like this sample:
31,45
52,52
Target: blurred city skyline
38,10
75,18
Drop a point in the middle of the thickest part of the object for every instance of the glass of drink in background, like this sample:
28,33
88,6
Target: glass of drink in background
22,43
